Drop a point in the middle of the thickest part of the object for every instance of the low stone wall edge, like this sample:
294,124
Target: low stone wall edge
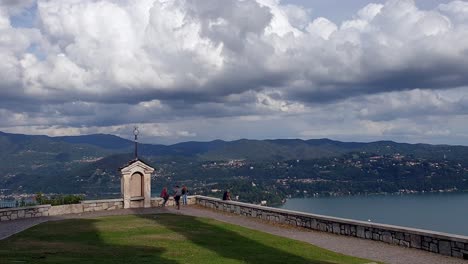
345,220
103,201
8,214
437,242
24,208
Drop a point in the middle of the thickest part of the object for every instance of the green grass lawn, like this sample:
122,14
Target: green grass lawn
161,238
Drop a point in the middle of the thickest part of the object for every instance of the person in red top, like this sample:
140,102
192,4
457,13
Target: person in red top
164,195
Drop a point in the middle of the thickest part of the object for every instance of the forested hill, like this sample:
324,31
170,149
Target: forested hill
89,164
73,147
279,149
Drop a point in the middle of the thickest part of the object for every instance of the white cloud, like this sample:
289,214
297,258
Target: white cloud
176,48
158,62
457,10
322,27
271,104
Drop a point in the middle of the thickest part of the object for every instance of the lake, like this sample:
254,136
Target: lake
444,212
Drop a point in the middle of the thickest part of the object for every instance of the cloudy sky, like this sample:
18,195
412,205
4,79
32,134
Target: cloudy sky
183,70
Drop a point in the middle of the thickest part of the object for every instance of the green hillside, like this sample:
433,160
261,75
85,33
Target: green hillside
89,164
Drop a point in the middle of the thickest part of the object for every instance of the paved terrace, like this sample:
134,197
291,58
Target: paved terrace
374,250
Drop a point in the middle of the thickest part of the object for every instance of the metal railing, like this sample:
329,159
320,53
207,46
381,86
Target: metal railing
16,203
9,204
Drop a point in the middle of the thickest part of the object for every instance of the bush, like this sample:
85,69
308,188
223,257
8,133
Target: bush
59,199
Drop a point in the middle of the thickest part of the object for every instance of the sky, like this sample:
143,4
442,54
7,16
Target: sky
341,10
200,70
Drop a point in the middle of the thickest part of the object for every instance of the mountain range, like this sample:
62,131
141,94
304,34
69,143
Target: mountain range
31,163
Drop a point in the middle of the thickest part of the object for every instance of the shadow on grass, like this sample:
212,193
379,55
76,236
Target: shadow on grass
154,238
75,241
228,243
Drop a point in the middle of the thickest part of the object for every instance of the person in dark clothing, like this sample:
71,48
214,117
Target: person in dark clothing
226,196
177,194
164,195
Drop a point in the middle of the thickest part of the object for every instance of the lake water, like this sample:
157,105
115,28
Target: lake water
444,212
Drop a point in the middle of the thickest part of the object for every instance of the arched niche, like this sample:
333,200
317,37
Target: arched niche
136,185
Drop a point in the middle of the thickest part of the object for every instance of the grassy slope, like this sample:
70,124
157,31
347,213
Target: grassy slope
157,239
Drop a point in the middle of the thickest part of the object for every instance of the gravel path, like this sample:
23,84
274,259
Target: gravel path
377,251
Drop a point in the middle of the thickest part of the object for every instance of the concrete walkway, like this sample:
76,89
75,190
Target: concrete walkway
373,250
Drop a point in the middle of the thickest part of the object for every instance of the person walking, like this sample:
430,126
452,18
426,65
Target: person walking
226,196
164,195
177,194
184,194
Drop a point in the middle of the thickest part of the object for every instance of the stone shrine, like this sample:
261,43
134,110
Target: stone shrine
135,181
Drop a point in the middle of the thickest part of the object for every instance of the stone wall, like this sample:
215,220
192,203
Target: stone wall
441,243
48,210
66,209
102,205
87,206
8,214
157,202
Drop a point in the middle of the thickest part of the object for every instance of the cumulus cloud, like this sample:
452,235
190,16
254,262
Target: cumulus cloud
457,10
158,61
143,50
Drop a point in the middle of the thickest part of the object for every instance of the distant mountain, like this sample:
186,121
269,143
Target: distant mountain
99,140
77,147
90,162
22,152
